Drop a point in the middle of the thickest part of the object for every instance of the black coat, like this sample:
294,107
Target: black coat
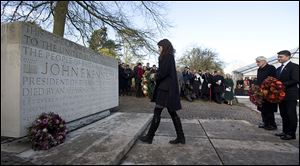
166,91
290,78
218,88
207,79
122,78
262,74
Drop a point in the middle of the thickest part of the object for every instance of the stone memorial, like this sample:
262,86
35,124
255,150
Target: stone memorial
42,72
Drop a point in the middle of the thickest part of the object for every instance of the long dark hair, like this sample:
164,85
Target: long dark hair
167,48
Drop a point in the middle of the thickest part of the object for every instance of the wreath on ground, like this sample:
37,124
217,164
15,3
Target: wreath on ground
48,130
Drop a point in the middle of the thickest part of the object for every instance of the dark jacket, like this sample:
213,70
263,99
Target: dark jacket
207,79
122,78
166,81
290,78
262,74
218,88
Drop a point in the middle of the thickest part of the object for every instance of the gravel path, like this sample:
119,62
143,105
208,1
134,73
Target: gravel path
197,109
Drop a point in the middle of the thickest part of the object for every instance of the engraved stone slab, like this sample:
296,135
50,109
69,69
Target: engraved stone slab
42,72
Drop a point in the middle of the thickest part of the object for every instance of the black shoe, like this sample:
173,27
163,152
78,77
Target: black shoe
270,127
146,139
287,137
189,98
261,125
179,132
177,141
279,134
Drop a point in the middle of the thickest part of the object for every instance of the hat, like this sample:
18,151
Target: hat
187,67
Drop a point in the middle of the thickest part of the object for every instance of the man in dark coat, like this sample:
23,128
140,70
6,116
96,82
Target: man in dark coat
196,84
267,109
129,75
122,80
288,74
166,93
206,85
218,86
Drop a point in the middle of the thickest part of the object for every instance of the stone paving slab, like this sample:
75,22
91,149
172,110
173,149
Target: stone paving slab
103,142
235,152
197,151
237,130
191,128
225,142
17,146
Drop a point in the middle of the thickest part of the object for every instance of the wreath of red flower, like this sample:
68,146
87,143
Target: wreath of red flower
273,90
48,130
256,95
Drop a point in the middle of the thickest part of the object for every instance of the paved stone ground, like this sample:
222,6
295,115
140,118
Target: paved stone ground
11,159
191,110
242,109
213,142
216,134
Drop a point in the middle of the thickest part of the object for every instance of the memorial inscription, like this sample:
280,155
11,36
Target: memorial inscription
56,75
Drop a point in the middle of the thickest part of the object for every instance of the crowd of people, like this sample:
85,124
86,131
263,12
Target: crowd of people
130,79
193,84
243,86
205,85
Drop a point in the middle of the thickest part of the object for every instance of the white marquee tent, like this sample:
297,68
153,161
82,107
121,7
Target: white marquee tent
250,71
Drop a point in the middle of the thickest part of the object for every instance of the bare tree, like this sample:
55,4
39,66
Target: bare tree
86,16
201,59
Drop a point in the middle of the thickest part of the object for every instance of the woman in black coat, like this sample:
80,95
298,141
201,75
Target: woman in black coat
166,93
267,109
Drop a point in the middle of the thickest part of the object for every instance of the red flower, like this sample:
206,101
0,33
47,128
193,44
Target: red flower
48,130
265,92
282,94
256,95
273,90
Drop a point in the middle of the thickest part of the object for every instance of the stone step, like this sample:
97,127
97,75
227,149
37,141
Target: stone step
104,142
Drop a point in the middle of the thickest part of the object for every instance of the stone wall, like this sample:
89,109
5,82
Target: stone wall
41,72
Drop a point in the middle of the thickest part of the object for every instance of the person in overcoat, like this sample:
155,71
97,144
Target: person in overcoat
267,109
122,80
288,74
166,93
206,86
228,94
218,86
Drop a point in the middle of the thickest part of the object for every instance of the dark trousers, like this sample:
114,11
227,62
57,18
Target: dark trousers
139,91
267,113
218,97
156,120
268,118
288,114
